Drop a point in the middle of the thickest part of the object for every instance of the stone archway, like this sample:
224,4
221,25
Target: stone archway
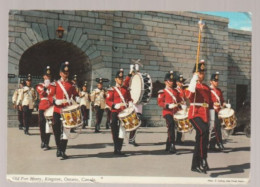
53,53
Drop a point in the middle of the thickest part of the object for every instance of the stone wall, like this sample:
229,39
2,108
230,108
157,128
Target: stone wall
163,41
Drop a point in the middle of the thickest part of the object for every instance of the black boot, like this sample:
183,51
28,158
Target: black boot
213,148
195,167
172,149
203,165
47,147
20,127
107,125
58,153
221,147
134,143
64,156
42,145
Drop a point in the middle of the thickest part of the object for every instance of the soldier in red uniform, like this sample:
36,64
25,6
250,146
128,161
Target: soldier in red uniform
179,82
169,99
199,96
116,96
64,91
45,91
218,103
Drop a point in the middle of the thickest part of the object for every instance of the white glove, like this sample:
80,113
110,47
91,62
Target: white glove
193,83
184,107
228,106
78,99
212,114
211,125
58,101
171,106
117,106
130,104
137,67
46,83
131,68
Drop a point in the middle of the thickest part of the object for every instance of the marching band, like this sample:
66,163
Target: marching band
64,109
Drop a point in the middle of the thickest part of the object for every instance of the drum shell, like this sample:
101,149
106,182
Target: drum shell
227,115
71,116
129,119
182,122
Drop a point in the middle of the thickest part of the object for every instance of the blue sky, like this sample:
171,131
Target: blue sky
237,20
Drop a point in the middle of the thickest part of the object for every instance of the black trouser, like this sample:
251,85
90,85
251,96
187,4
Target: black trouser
20,117
99,115
171,129
179,136
58,130
85,114
202,140
216,135
118,142
45,137
108,111
132,134
27,117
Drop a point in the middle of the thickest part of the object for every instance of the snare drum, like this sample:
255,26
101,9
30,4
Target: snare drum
141,87
182,121
129,119
71,116
227,115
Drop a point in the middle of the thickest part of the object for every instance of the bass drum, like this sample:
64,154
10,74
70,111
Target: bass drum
141,87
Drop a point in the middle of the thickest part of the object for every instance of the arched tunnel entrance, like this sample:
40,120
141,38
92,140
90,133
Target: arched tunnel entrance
53,53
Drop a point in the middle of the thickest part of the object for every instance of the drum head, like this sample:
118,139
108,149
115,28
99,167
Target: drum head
70,108
126,112
181,114
226,112
136,87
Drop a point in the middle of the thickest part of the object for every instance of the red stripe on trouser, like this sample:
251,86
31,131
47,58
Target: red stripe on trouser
201,152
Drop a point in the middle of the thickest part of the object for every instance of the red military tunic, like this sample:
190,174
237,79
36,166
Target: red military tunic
202,95
45,95
217,99
164,98
71,90
114,98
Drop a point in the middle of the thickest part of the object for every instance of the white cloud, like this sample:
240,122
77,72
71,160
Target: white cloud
246,28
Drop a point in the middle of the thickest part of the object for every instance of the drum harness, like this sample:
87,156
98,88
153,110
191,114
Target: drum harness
173,97
212,91
65,92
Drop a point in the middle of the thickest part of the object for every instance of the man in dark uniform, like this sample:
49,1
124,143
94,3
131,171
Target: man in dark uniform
45,91
199,96
64,91
27,99
169,99
179,87
18,106
117,97
98,97
218,103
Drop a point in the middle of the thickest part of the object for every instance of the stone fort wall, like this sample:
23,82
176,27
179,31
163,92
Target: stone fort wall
163,41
